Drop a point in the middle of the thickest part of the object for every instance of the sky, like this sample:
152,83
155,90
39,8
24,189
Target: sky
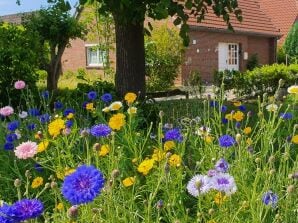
10,7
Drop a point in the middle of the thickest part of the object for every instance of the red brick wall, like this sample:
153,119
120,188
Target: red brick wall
203,56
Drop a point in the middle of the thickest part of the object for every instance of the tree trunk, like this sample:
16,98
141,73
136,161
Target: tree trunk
130,58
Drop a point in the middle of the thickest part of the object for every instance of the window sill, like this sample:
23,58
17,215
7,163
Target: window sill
94,67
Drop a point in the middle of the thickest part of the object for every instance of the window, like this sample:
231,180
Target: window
95,56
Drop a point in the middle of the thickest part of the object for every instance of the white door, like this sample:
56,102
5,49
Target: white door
228,56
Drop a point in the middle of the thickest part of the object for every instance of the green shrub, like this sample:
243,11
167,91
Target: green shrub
291,44
230,79
266,78
252,62
18,61
163,58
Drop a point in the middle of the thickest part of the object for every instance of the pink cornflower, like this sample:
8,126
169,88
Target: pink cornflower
19,85
6,111
26,150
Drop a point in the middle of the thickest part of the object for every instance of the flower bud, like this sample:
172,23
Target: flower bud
17,182
290,189
73,212
238,138
161,114
53,185
281,82
272,171
159,204
257,160
211,211
47,185
96,146
271,159
28,174
115,173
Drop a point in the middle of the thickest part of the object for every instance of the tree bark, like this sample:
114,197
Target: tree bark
130,58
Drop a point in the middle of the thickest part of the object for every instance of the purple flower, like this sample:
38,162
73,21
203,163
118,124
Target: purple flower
173,134
45,94
222,165
225,183
31,126
92,95
270,198
67,111
237,125
242,108
213,104
26,209
83,185
45,118
38,167
58,105
12,126
100,130
8,146
11,137
226,141
199,184
106,98
68,124
286,116
5,214
33,112
224,121
212,173
224,108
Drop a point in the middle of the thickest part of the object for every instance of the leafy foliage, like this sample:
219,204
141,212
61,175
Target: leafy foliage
291,44
18,61
163,57
252,62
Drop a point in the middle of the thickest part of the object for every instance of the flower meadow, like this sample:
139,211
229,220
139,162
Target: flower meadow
91,160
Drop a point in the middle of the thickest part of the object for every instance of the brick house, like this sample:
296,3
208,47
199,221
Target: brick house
212,46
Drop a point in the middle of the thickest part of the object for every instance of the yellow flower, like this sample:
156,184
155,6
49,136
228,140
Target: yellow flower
115,106
38,181
68,171
117,121
219,198
146,166
295,139
175,160
208,139
104,150
247,130
89,106
59,206
158,155
130,97
106,109
237,103
42,146
249,141
211,221
238,116
55,127
129,181
70,116
60,175
293,89
229,117
169,145
132,110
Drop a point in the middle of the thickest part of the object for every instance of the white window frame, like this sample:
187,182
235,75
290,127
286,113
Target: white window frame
98,51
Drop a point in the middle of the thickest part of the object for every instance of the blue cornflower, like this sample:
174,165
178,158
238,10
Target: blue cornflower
83,185
238,125
26,209
92,95
213,103
286,116
224,120
270,198
38,167
5,215
84,104
45,94
242,108
8,146
173,134
33,112
226,141
68,124
11,137
224,108
45,118
222,165
58,105
106,98
12,126
67,111
31,126
100,130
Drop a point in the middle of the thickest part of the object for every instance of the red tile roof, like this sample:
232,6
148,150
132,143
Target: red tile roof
283,14
255,21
